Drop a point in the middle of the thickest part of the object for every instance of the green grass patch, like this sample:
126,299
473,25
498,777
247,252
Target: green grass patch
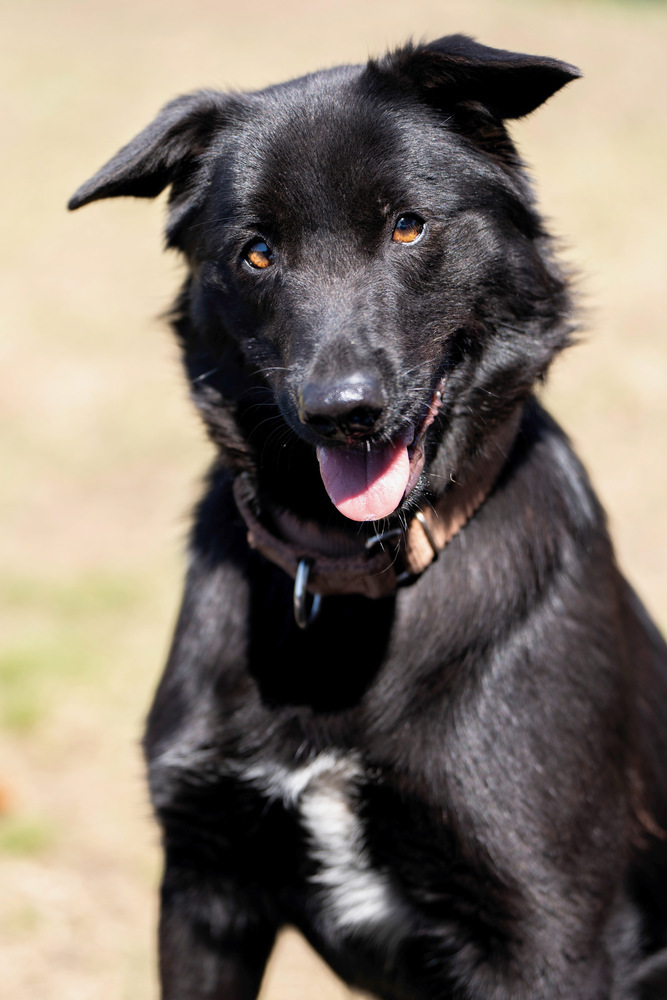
59,634
32,669
25,835
85,595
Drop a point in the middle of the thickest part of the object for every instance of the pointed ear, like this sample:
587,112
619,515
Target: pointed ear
168,150
456,69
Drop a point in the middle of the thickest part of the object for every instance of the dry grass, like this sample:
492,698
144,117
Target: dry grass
101,454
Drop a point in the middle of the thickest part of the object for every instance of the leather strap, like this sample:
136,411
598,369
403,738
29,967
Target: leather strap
377,566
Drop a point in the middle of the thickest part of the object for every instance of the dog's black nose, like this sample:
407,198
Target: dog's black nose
345,409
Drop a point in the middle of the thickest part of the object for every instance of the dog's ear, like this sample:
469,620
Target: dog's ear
457,70
166,152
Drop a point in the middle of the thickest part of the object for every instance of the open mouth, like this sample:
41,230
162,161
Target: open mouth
369,484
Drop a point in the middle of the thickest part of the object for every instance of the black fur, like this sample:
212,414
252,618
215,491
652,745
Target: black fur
492,738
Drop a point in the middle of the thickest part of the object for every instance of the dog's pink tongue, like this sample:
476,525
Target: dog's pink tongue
366,485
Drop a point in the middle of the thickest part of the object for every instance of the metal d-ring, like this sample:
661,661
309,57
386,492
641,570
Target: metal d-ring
303,617
429,534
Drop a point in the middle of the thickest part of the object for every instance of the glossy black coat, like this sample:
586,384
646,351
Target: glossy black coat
497,730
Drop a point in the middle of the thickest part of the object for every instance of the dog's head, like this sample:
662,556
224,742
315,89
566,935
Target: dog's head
370,286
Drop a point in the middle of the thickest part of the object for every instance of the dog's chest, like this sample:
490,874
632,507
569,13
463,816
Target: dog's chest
350,889
354,851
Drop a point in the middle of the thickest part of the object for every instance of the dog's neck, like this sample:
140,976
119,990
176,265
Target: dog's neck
376,565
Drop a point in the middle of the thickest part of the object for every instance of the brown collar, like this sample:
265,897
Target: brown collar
334,563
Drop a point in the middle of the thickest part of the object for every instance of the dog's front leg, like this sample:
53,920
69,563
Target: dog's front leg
214,939
217,921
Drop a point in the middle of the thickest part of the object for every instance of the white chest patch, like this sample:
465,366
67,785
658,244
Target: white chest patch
356,894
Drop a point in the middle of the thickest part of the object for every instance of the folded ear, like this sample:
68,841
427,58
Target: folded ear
456,69
167,151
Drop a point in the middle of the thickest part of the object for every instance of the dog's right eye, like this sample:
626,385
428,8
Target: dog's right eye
258,254
408,229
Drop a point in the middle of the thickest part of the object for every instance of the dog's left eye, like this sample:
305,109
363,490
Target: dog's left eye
258,254
408,229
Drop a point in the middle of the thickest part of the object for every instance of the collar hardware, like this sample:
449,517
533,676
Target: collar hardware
397,535
302,615
326,563
419,516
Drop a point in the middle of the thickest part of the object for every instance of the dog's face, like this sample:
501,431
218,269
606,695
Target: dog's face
369,280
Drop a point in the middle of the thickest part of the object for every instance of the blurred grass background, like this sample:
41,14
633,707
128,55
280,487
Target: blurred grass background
101,455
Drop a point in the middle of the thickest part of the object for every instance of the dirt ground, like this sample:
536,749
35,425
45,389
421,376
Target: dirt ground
101,456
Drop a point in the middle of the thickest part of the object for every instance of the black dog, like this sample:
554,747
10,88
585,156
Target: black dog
450,771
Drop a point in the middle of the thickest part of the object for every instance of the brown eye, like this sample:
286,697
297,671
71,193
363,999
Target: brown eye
258,254
408,229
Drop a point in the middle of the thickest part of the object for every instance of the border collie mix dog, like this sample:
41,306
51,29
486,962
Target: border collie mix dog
411,707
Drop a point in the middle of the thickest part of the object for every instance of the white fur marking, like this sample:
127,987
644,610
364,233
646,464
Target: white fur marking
357,894
285,783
